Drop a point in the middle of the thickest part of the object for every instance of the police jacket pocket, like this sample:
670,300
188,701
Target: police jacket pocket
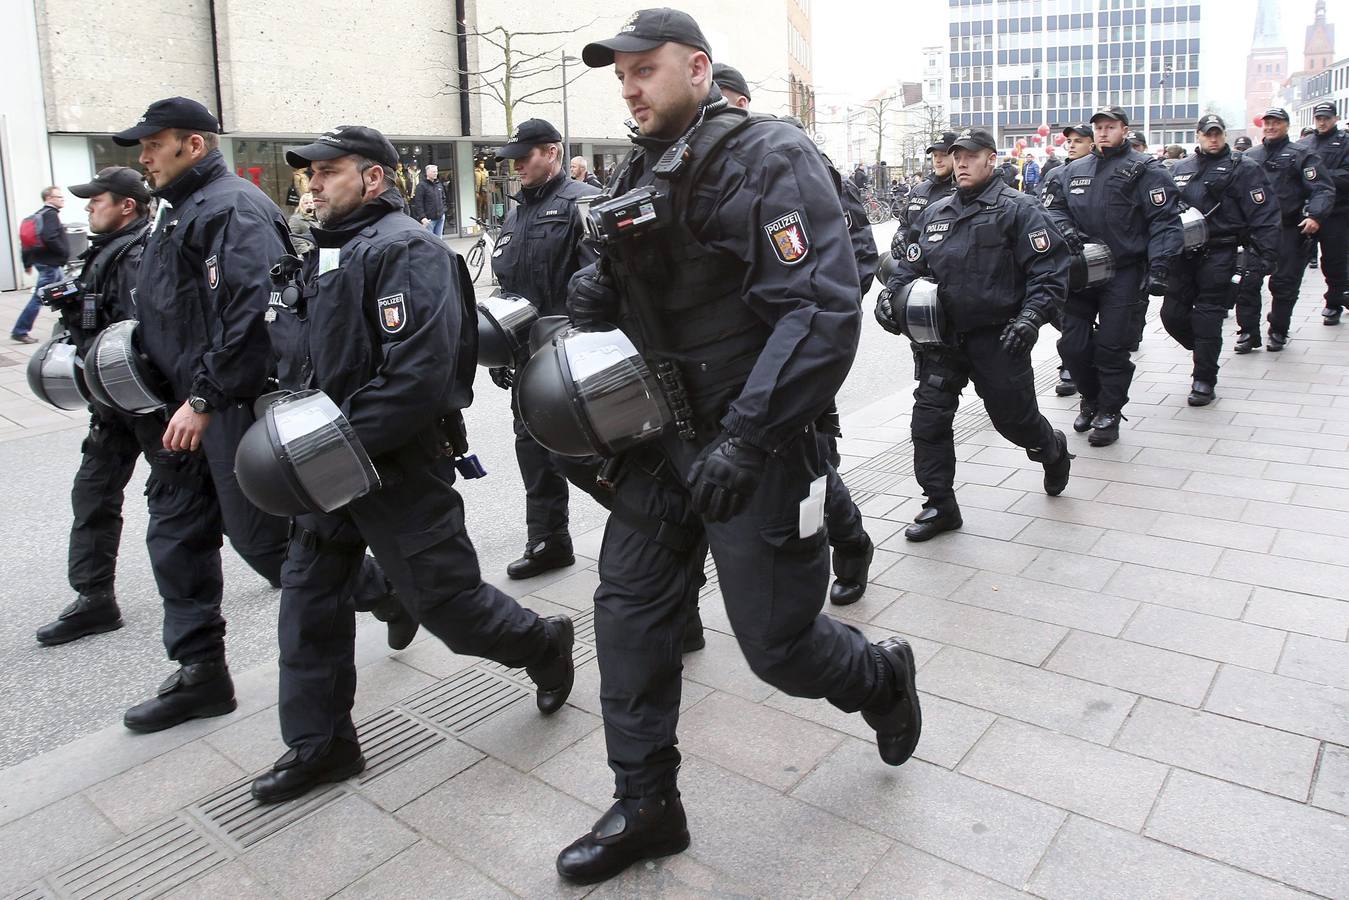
441,563
786,536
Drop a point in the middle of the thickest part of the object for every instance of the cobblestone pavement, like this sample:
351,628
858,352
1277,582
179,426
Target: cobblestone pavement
1138,689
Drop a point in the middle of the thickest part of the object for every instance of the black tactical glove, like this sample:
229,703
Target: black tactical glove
591,298
724,477
1074,242
898,244
885,313
1022,332
502,376
1159,277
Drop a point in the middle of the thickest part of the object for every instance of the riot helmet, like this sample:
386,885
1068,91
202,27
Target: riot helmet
919,311
504,321
1095,265
885,267
302,456
56,374
119,375
589,392
545,330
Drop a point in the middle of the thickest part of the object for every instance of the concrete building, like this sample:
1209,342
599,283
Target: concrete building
1018,64
77,72
1331,83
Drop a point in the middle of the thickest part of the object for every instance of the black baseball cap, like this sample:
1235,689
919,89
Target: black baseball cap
529,134
1111,112
730,78
1242,143
1081,130
118,180
1134,137
346,140
943,143
646,30
1210,122
174,112
1276,112
974,139
1324,108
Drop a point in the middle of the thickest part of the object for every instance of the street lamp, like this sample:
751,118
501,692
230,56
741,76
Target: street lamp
566,123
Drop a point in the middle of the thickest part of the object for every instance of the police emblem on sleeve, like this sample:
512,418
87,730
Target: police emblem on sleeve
393,314
913,253
1039,240
1310,173
1258,195
1158,197
213,272
788,237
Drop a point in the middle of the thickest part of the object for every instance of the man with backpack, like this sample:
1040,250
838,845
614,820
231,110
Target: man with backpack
44,244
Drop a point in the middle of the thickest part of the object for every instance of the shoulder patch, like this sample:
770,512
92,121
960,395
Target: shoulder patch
1157,196
1047,200
788,236
1310,172
1258,195
392,313
213,272
1039,240
914,253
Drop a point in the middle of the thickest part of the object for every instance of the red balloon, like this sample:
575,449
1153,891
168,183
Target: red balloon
1059,139
1038,139
1259,121
1016,151
1021,142
1044,130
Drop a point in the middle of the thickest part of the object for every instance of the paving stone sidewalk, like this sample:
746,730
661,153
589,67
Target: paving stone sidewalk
1138,689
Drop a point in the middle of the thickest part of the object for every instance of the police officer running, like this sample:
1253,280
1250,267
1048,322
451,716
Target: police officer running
376,319
200,298
1077,143
1000,269
1331,144
744,287
1127,201
539,249
1240,211
118,219
1306,197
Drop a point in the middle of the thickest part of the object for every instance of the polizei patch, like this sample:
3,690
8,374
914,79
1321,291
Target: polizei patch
1258,195
1310,173
788,237
1158,197
213,272
393,314
1039,240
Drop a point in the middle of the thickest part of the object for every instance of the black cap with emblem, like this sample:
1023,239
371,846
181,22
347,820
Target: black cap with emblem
730,78
1324,108
1242,143
1081,130
1209,123
647,30
943,143
1111,112
974,139
172,112
345,140
529,134
117,180
1276,112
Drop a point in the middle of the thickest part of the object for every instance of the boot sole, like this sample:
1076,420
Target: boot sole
911,696
659,851
205,712
522,575
351,771
929,535
1064,392
100,629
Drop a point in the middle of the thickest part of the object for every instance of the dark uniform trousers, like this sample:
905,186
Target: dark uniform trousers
1200,294
545,487
1334,240
194,499
1098,330
108,459
1005,383
414,525
843,520
1284,285
773,583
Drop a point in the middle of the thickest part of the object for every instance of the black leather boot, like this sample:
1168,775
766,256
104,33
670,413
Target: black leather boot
543,556
851,573
1246,342
631,831
402,627
1066,386
1201,393
89,614
291,776
1104,429
1276,341
1331,316
1057,469
554,678
896,715
1086,411
693,639
195,691
931,522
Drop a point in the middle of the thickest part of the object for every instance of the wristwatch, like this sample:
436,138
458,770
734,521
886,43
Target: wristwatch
199,405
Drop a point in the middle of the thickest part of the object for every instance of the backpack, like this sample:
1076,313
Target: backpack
30,232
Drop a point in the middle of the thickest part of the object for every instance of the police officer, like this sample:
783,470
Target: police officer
1077,143
852,547
1331,144
1241,144
1239,209
377,320
1001,270
1306,197
541,246
743,283
118,219
200,298
936,186
1127,201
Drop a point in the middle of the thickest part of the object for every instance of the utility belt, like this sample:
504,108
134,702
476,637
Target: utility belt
448,437
312,541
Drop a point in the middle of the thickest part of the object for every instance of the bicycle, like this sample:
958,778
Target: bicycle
877,212
476,257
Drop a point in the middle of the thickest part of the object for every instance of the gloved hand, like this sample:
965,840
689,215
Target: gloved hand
898,244
885,313
591,298
1159,277
502,376
1022,332
1074,242
724,477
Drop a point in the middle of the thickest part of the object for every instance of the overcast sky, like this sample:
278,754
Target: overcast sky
862,46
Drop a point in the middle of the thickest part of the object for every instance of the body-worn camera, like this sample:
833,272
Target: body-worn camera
66,297
59,294
639,211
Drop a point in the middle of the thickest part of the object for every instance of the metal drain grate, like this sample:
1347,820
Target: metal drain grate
244,821
584,623
146,865
390,739
32,893
465,700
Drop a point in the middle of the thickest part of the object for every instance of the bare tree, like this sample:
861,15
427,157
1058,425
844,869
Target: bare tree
878,119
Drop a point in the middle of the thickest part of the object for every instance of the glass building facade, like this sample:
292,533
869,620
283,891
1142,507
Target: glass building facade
1018,64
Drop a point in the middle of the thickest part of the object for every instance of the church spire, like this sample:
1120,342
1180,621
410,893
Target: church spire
1267,34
